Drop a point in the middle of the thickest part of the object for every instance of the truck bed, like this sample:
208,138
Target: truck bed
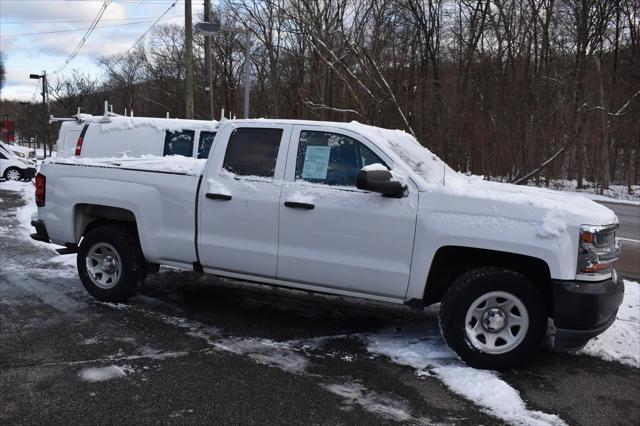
160,192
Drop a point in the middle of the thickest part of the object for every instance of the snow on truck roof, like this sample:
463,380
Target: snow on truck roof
116,123
406,147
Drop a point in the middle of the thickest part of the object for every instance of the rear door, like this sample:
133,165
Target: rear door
333,234
239,199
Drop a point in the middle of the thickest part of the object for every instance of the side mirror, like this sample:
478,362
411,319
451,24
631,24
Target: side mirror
380,181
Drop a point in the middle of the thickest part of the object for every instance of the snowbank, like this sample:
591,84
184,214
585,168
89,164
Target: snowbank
429,355
621,342
23,213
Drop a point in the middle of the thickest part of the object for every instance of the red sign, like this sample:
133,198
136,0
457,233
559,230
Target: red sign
8,131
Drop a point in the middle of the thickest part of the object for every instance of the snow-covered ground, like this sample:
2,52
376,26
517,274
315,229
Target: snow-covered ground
417,345
615,194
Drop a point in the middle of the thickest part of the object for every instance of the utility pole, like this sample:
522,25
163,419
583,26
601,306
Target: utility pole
45,109
188,58
247,70
210,28
207,57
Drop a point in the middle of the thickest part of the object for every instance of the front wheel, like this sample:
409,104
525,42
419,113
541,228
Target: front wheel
13,173
111,264
493,318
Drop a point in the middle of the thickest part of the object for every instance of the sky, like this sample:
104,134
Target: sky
27,50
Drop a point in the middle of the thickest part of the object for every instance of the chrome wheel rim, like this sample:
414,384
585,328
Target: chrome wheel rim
496,322
13,175
104,265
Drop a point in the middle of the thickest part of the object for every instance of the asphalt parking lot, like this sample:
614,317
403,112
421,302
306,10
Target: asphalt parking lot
195,349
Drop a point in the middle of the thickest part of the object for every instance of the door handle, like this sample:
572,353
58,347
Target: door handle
296,205
224,197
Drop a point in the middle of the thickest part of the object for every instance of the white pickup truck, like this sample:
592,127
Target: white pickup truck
345,209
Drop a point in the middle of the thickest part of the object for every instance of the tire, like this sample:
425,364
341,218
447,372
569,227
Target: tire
13,173
508,325
111,264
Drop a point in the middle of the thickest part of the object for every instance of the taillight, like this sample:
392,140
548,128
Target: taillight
80,140
79,145
41,189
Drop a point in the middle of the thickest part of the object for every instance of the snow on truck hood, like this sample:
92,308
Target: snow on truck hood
515,201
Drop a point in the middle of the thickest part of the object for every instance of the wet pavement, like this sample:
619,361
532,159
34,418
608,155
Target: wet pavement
195,349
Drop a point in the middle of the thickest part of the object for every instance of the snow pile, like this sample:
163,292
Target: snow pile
114,124
615,193
374,167
372,401
23,213
429,355
170,163
267,352
621,342
552,225
100,374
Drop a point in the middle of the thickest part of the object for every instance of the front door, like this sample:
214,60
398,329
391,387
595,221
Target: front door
333,234
239,198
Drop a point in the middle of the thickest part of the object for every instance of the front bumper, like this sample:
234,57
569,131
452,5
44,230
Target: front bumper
584,309
28,173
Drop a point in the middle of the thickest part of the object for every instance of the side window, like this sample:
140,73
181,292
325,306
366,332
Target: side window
253,151
2,157
179,142
204,144
331,158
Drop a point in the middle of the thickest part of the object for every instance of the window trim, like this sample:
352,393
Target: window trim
215,164
164,141
290,173
196,146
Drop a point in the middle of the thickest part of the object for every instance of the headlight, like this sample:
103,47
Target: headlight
598,249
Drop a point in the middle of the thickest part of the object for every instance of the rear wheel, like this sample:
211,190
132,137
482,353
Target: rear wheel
110,263
13,173
493,318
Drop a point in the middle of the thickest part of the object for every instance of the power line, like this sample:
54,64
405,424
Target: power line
82,29
86,35
146,32
146,18
91,1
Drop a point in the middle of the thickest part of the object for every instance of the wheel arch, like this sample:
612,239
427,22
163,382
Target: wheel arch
89,216
450,262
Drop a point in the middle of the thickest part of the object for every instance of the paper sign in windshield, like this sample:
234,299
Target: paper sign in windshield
316,162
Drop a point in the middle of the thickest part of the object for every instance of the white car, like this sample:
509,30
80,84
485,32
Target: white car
345,209
114,136
13,167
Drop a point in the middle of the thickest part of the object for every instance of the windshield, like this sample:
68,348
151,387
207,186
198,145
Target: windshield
423,162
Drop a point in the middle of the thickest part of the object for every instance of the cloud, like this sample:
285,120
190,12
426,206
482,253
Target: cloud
58,10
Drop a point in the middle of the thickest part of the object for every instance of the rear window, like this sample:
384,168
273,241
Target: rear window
253,151
179,142
204,144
